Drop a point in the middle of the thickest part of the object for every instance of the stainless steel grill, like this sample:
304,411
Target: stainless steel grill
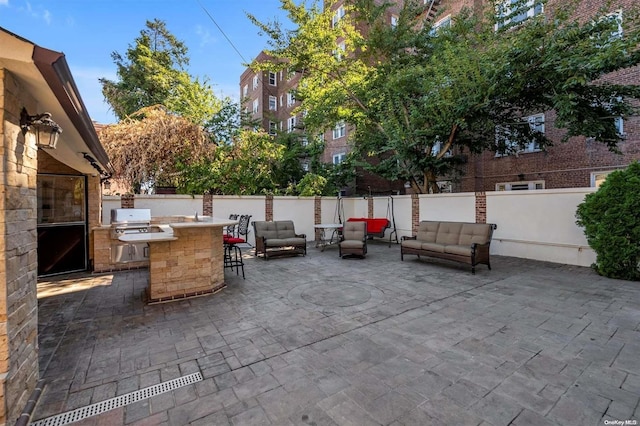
129,221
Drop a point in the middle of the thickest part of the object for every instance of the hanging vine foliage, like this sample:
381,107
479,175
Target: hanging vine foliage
145,147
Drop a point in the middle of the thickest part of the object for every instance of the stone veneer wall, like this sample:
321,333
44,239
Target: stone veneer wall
18,253
188,266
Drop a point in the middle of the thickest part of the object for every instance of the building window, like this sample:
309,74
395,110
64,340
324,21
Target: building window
305,166
619,123
441,24
273,103
337,16
339,158
520,186
340,130
273,127
256,106
304,140
394,21
508,146
437,147
272,78
291,124
291,98
339,52
616,19
255,82
445,186
245,91
510,12
598,178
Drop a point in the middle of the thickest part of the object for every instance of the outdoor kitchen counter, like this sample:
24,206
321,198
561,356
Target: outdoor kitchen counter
187,262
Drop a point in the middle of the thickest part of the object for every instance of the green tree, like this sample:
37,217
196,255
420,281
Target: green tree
611,224
153,72
244,167
419,95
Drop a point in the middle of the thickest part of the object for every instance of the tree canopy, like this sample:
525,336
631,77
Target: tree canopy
420,96
153,72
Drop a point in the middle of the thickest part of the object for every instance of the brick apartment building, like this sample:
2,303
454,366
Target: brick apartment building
580,162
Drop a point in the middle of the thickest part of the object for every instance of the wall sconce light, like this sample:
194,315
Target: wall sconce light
47,131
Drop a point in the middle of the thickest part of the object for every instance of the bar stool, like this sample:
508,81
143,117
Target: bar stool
233,254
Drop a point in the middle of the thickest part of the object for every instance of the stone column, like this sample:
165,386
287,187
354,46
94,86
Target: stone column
370,207
268,208
127,201
317,215
415,213
207,205
18,252
481,207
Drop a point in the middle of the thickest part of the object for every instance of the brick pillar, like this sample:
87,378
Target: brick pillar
415,213
370,207
268,207
481,207
127,201
207,205
317,215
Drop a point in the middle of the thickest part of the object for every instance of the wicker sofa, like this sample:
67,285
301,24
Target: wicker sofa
459,241
278,238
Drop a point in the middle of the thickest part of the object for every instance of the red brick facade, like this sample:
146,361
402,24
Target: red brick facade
563,165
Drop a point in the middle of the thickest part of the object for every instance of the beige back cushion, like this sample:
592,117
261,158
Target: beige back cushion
427,231
474,233
449,233
285,229
265,229
354,230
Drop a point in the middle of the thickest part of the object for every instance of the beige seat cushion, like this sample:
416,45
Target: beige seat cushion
285,242
354,231
352,244
459,250
414,244
427,231
449,233
285,229
266,229
438,248
474,233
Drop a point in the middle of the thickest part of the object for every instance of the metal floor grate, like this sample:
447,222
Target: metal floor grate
118,401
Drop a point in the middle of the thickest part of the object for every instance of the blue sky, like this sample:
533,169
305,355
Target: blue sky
88,31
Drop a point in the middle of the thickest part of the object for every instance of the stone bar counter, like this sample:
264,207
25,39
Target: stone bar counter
186,260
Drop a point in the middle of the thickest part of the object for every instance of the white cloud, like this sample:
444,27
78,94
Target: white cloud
38,13
204,36
4,2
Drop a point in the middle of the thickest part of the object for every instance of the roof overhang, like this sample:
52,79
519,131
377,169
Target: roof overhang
45,74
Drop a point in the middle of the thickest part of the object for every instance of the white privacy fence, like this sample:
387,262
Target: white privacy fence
536,225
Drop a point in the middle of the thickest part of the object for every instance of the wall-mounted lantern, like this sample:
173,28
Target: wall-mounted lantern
47,131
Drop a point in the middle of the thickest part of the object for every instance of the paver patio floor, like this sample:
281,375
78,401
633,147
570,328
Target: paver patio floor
317,340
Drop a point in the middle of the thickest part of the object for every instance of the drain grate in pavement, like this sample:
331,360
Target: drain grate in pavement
118,401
